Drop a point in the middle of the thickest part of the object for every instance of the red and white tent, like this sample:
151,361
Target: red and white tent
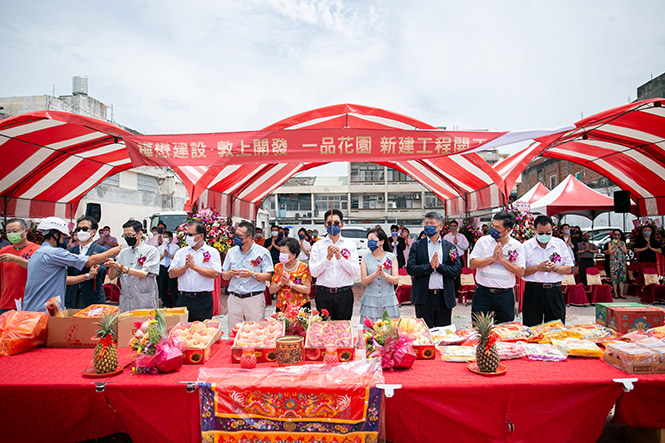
572,196
534,194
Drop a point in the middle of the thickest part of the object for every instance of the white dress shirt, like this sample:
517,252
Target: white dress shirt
334,273
462,243
535,255
192,281
435,279
83,249
173,248
496,275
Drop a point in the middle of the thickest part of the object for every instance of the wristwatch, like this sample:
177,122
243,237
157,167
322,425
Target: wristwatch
87,276
254,276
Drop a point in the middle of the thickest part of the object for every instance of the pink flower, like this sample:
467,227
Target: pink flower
369,323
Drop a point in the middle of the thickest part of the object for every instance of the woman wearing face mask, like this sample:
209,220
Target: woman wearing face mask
618,253
646,247
292,280
379,275
305,245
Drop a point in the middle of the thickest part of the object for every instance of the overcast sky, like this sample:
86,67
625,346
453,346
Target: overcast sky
208,66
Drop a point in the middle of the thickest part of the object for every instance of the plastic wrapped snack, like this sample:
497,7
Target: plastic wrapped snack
632,353
541,329
594,332
458,353
513,332
559,334
22,331
448,335
658,332
54,307
94,311
576,347
509,351
544,352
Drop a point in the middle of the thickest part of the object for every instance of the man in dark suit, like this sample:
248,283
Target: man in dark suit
90,290
433,269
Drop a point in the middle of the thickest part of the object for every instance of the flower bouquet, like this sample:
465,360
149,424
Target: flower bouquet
219,232
524,228
297,320
156,352
386,341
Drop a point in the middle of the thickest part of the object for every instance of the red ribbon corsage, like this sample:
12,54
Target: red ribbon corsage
206,257
256,262
345,253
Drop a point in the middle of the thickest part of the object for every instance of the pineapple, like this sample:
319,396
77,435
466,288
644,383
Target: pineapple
487,356
106,351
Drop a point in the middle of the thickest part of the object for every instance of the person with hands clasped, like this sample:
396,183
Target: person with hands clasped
137,268
498,258
292,280
248,266
334,263
379,275
618,257
547,260
434,264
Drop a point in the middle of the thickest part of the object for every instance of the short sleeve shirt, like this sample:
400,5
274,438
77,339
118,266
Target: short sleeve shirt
47,275
496,275
14,276
555,251
205,257
257,260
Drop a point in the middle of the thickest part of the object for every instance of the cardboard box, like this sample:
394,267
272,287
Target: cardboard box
601,310
126,328
199,355
263,353
72,332
628,319
344,340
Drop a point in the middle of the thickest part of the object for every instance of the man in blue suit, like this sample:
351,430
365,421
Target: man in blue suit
433,266
91,289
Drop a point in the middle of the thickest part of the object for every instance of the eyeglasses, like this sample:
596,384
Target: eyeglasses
129,236
333,223
82,228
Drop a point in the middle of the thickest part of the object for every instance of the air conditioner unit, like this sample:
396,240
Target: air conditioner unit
392,205
309,215
297,215
415,196
379,198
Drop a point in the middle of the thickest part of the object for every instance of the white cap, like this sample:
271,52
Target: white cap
53,223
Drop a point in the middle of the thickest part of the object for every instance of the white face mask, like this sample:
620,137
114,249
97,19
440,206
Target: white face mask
274,233
190,241
83,236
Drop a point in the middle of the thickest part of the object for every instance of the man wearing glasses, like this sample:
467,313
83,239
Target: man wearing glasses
498,258
334,263
91,290
248,266
137,268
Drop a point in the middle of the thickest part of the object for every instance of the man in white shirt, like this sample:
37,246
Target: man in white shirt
248,266
196,267
168,287
157,236
334,263
547,260
462,244
498,258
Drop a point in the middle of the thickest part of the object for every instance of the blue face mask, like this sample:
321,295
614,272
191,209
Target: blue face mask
372,245
301,236
544,238
160,230
237,240
494,233
430,230
333,230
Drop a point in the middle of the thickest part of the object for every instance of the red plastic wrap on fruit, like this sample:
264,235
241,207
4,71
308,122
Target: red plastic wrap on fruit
169,359
407,359
22,331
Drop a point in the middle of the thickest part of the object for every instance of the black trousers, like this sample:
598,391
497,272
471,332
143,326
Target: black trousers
434,311
339,304
541,305
584,264
199,307
501,303
168,287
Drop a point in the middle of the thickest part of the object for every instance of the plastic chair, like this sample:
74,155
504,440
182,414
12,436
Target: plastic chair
573,293
403,292
465,293
632,279
652,290
598,293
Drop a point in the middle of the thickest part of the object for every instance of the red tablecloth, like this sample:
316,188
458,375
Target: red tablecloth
44,396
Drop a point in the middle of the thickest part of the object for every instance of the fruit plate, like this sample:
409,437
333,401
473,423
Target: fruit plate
473,367
90,372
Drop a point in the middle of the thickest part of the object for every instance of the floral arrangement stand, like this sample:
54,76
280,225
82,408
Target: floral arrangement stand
219,231
524,228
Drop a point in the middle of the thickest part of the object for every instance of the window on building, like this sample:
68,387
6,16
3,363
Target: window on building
296,202
404,201
323,202
432,201
541,176
553,182
113,180
268,203
397,176
578,175
367,172
146,183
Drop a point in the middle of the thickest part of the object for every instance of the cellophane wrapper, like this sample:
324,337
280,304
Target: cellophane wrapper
22,331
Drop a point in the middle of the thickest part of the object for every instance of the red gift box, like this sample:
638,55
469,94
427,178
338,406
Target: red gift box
628,319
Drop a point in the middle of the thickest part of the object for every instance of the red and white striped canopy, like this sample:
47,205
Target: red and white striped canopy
625,144
534,194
